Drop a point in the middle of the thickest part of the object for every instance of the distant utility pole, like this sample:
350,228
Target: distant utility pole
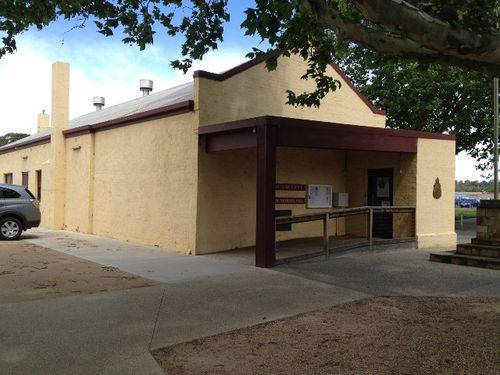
495,122
495,135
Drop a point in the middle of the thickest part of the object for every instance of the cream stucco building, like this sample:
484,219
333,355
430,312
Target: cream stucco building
198,168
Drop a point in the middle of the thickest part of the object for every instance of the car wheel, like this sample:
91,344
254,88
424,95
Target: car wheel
10,228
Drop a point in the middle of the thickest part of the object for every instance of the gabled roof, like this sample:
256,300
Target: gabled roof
251,63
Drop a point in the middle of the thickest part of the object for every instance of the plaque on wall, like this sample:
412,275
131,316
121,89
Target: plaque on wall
319,196
290,200
291,187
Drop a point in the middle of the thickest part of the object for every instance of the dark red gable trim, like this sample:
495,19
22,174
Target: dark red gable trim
169,110
229,73
249,64
19,146
357,91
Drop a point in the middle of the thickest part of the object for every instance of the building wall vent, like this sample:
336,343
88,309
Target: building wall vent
98,102
146,86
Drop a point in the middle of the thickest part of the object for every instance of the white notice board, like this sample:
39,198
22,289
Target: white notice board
319,196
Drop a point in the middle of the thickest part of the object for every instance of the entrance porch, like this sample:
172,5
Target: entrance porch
253,171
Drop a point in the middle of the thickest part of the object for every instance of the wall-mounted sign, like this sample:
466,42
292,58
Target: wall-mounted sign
319,196
290,200
291,187
383,187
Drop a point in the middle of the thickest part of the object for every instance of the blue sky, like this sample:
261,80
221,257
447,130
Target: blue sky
66,40
106,67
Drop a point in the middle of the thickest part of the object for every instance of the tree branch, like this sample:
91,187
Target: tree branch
431,32
388,44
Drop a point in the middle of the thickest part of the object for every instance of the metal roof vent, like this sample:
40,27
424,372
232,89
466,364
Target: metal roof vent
146,86
98,102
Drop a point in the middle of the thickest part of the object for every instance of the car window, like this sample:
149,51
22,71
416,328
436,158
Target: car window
8,193
30,193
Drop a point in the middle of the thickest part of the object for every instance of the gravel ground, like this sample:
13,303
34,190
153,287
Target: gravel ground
29,272
381,335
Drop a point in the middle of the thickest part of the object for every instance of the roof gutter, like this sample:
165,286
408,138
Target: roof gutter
19,146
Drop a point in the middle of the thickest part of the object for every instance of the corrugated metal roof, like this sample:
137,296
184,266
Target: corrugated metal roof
159,99
32,137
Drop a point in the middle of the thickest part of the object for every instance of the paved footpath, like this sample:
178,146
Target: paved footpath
110,333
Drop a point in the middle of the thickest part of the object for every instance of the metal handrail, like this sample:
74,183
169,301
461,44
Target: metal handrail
343,212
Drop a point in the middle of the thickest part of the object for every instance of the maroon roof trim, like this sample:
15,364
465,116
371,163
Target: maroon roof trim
233,125
19,146
284,121
169,110
235,140
249,64
231,72
293,122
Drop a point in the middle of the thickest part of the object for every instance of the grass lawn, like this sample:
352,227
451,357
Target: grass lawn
467,212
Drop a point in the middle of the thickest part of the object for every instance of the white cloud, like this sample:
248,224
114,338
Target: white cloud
25,90
100,68
465,169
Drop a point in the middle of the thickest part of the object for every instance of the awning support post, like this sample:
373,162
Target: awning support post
370,226
326,236
265,246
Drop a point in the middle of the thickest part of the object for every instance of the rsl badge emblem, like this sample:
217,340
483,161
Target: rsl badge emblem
436,193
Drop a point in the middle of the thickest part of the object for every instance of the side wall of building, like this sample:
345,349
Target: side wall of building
144,186
79,180
30,160
135,183
258,92
435,216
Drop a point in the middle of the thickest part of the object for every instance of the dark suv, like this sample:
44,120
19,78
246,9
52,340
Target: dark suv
19,210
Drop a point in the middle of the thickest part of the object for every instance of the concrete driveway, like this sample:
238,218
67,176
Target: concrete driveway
199,296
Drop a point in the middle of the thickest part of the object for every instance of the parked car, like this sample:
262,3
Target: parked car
19,211
458,197
465,202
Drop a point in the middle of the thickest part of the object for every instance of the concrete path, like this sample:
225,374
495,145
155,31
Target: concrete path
397,272
109,333
146,261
